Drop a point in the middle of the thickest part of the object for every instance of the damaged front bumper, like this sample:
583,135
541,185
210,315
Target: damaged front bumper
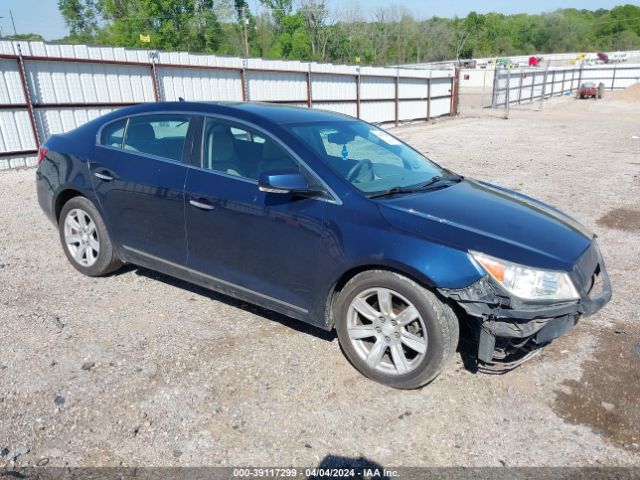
509,331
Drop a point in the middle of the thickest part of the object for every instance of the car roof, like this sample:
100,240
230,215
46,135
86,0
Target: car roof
251,111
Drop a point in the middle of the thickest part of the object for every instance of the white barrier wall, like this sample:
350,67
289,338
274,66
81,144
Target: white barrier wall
47,89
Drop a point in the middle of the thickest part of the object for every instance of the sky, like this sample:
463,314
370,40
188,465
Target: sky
43,17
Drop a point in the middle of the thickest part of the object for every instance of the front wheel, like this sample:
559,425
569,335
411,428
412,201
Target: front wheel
393,330
85,239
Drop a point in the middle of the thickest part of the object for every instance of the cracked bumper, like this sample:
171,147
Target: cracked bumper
509,331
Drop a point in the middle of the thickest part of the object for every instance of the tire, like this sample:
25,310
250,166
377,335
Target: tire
85,239
426,343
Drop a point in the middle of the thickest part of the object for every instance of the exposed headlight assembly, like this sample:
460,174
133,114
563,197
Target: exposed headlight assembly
528,283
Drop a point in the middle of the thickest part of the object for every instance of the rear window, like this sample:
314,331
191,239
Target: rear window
113,133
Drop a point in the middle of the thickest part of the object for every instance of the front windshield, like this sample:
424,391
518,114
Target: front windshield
367,156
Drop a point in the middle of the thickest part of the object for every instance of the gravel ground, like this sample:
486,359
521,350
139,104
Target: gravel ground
140,369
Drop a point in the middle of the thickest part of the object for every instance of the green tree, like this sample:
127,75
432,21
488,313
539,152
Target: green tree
81,17
171,24
280,9
304,30
293,40
626,40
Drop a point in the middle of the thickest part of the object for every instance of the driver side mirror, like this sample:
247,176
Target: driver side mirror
284,181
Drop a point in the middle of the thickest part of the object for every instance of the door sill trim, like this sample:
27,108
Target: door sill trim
214,279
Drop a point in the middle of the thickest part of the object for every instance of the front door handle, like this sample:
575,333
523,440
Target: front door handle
201,205
103,176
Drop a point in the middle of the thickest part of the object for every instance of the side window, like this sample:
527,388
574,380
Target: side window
162,135
239,151
112,133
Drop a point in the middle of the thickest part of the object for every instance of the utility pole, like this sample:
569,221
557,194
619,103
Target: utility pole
245,21
15,32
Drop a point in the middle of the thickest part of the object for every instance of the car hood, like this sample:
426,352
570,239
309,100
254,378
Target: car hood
473,215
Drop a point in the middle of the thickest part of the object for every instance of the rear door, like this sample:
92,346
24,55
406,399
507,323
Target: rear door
138,171
262,243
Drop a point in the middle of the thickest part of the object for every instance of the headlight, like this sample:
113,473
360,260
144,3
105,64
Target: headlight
528,283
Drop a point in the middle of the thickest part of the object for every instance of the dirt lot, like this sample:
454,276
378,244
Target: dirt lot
141,369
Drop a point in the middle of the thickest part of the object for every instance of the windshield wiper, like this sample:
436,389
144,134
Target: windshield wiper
416,188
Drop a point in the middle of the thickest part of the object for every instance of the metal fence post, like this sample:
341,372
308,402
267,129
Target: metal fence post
522,74
613,80
154,79
494,92
429,97
580,77
456,92
397,113
309,87
573,74
544,87
484,86
27,96
154,76
358,93
452,105
507,94
533,84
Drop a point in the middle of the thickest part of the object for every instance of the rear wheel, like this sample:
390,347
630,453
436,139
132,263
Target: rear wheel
85,239
393,330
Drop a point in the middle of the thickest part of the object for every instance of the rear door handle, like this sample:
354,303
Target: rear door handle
201,205
103,176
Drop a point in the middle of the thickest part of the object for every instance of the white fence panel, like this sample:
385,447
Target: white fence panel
11,91
377,88
440,107
413,88
377,112
333,87
69,85
344,108
66,82
51,121
412,110
198,59
199,84
273,86
15,131
440,87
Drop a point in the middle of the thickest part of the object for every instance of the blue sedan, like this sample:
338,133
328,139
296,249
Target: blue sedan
326,219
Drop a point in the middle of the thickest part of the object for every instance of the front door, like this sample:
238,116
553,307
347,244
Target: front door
265,244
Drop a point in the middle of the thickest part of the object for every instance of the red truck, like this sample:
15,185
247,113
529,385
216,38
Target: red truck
588,90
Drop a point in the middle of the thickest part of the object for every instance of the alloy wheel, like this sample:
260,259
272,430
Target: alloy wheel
81,237
387,331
